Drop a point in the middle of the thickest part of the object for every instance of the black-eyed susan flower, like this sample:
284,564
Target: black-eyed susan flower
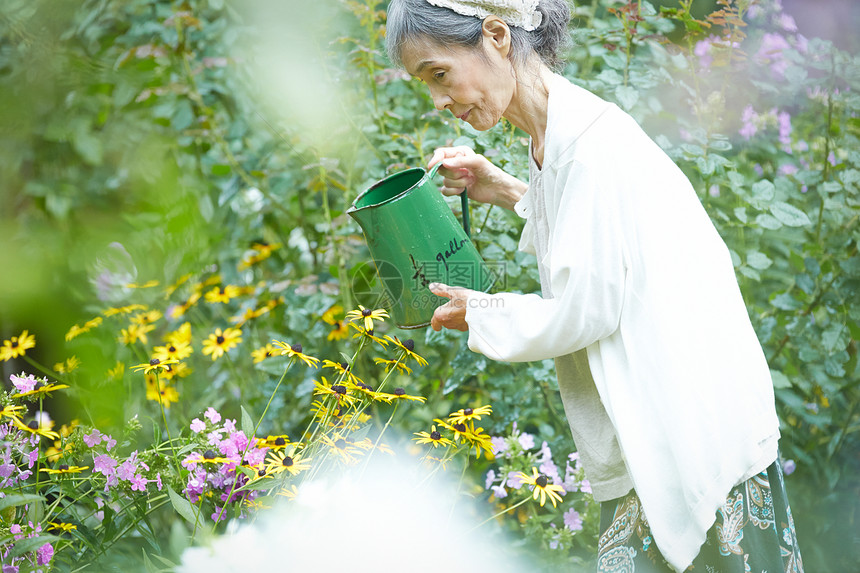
209,457
250,313
344,371
288,492
333,314
479,441
170,289
400,394
368,334
136,332
33,427
408,347
123,309
295,351
147,317
155,365
465,414
17,346
181,335
432,437
339,391
12,411
117,371
458,430
76,330
58,450
160,391
339,332
173,351
340,447
222,294
390,364
180,370
41,387
274,442
179,310
542,487
284,461
71,364
259,252
63,527
367,316
220,342
148,284
264,352
64,469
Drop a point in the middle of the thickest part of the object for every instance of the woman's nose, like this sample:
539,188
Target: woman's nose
440,100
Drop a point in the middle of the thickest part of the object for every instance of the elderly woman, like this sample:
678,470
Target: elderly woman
665,385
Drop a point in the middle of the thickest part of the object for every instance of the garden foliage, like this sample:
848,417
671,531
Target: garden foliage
175,177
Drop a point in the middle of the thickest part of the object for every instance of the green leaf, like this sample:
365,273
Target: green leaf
768,222
780,380
758,260
184,508
219,169
16,499
741,214
29,544
247,423
763,192
785,301
789,215
627,96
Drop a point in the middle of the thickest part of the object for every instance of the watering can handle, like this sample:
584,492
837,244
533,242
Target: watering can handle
464,202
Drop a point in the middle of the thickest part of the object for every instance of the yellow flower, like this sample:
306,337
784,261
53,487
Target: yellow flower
260,252
179,282
76,330
33,427
223,294
432,437
69,365
147,284
220,342
367,316
281,461
181,335
144,318
154,365
12,411
331,315
389,364
171,351
180,309
369,334
342,448
295,351
399,394
408,347
64,527
41,388
65,469
210,457
117,371
339,332
344,371
17,346
180,370
264,352
136,332
465,414
339,391
542,487
248,315
124,309
161,392
274,442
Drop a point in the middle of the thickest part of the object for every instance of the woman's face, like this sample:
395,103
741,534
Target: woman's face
474,84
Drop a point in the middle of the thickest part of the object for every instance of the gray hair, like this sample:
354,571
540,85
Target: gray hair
411,20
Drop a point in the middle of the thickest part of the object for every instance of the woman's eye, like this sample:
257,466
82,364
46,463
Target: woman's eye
439,75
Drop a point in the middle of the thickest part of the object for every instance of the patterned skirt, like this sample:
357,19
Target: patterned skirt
754,532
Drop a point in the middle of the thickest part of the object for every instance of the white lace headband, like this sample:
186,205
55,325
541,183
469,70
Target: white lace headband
520,13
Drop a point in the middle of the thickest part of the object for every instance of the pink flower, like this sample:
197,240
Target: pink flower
197,425
110,442
138,483
585,486
24,383
104,464
499,491
513,480
32,458
527,441
158,481
749,118
44,554
499,445
572,520
93,438
488,481
212,415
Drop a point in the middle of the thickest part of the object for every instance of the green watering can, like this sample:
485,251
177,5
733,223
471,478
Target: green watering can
415,240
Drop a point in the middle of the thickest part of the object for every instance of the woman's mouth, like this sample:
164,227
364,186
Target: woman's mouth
465,115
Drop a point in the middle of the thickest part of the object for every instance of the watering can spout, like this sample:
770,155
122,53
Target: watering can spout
414,240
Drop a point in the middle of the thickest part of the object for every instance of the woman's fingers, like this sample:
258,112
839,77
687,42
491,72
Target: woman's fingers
446,152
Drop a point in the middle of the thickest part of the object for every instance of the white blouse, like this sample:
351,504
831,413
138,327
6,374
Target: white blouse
641,279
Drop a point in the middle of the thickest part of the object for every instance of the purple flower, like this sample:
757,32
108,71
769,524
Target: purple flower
138,483
499,445
104,464
229,426
212,415
585,486
703,51
219,516
32,458
783,119
24,383
15,528
788,467
256,456
488,481
513,480
499,491
572,520
771,51
110,442
526,440
10,569
93,439
197,425
787,23
749,118
158,481
44,554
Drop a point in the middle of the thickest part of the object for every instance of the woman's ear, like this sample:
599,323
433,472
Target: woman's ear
496,35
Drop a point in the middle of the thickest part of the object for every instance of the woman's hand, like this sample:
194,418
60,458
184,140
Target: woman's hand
462,168
452,314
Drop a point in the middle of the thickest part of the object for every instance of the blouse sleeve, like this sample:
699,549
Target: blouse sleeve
587,274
